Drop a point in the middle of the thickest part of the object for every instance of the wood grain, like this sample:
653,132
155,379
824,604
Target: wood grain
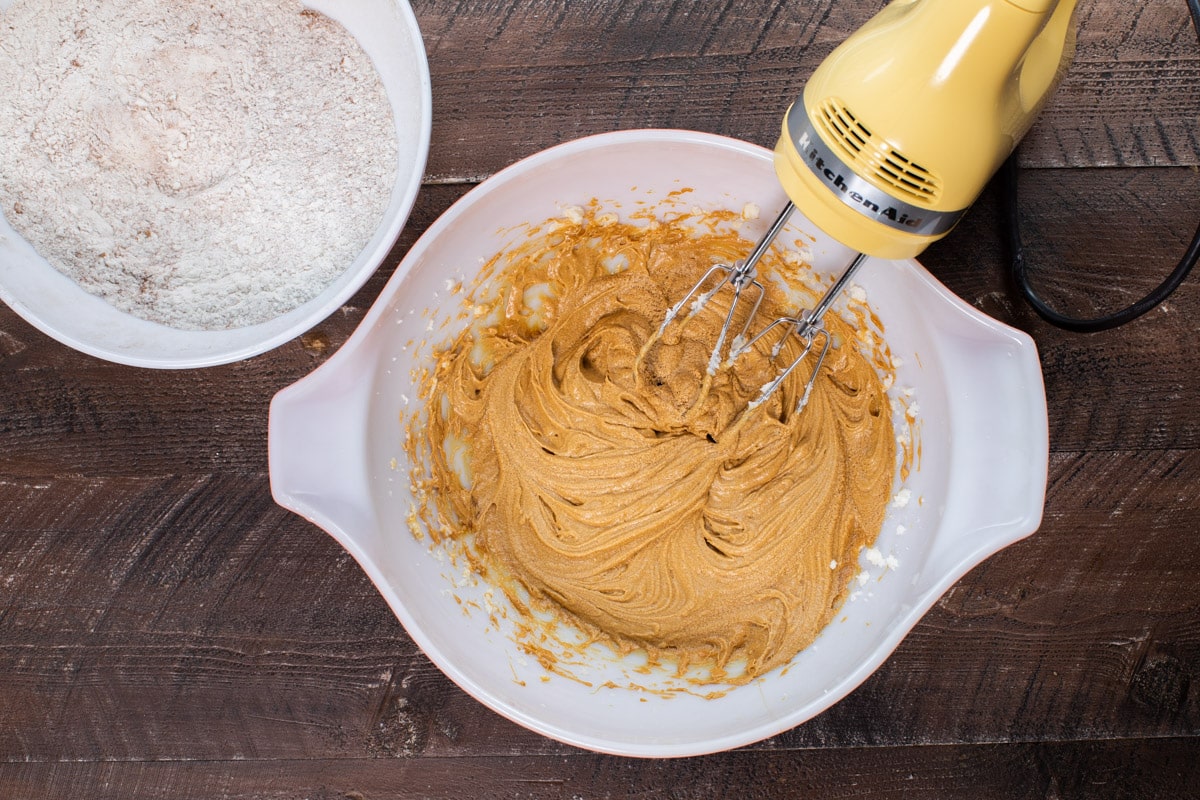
547,75
1080,770
167,631
1096,239
216,595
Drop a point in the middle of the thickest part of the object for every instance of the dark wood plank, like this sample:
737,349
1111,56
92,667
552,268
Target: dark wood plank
1132,93
167,631
1096,238
1085,629
145,610
1135,770
546,75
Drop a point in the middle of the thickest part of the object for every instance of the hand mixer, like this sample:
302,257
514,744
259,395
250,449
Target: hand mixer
895,135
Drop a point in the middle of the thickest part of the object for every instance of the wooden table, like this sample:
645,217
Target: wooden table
167,631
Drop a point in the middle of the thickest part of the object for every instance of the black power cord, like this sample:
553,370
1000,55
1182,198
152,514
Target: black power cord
1019,268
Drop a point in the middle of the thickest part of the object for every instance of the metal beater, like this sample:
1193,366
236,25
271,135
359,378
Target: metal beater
743,276
897,132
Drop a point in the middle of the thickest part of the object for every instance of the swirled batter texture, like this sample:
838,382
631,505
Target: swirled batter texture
610,487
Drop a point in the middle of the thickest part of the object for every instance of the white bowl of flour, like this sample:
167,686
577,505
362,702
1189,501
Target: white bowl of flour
206,184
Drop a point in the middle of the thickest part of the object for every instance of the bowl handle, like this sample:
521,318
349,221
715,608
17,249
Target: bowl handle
314,424
999,443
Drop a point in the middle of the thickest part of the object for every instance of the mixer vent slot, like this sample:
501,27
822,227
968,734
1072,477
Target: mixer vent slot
867,154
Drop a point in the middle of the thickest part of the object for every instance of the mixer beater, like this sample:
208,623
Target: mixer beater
895,135
743,276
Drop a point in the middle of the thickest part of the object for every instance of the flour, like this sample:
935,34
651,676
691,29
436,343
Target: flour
206,165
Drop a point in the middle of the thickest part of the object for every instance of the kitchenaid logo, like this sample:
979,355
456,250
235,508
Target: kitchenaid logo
833,177
860,194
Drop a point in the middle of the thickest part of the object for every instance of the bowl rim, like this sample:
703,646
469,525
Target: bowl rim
359,349
303,317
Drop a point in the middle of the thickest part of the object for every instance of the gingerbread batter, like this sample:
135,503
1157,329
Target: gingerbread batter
610,488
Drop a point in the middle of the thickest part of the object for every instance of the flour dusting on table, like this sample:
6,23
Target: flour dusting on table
206,165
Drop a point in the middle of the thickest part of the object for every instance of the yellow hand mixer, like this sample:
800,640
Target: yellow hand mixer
896,134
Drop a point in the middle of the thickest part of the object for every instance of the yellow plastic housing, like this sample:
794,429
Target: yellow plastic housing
901,126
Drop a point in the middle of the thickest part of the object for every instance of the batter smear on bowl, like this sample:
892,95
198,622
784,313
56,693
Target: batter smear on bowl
608,492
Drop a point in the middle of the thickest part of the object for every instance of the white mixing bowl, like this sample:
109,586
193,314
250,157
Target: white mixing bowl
336,456
57,306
